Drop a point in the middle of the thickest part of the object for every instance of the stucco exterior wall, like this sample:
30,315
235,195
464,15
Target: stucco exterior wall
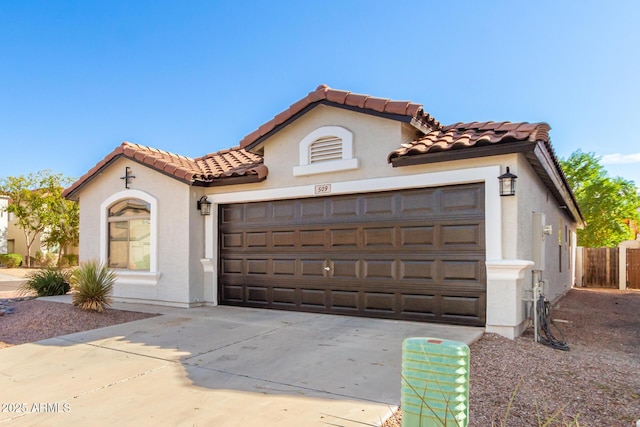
559,269
176,280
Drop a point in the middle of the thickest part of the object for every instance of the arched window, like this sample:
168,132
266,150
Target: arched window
129,235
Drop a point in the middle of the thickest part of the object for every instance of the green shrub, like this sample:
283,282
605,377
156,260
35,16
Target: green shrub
68,260
93,284
47,283
11,260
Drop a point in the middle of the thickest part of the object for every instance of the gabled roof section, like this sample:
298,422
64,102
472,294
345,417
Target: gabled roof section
405,111
224,167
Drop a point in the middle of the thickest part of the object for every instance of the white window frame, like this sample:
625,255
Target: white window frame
150,277
348,162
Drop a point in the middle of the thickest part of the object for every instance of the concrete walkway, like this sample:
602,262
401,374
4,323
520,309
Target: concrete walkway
214,366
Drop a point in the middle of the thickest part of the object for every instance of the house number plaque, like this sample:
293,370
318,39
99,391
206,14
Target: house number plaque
323,188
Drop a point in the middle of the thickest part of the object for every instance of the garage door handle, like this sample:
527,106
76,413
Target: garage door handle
327,269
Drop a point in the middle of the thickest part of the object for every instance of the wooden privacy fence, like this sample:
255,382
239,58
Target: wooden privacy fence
601,268
617,268
633,268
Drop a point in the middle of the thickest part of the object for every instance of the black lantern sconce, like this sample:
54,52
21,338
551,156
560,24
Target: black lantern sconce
507,183
204,206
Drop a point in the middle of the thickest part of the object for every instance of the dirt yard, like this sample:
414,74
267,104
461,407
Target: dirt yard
595,383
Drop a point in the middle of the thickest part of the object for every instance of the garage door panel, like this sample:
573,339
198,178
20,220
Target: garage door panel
232,240
284,211
379,237
344,208
417,269
380,269
414,254
258,295
344,300
418,203
342,238
284,267
231,266
312,209
312,267
419,236
379,206
461,200
256,240
313,299
461,270
380,302
420,305
285,296
312,238
463,236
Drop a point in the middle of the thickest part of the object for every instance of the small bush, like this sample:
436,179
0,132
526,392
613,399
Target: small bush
11,260
68,260
93,283
48,282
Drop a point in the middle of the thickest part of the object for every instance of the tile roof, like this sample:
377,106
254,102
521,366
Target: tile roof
207,170
475,134
405,110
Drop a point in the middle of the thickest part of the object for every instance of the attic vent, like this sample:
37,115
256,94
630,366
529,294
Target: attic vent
325,149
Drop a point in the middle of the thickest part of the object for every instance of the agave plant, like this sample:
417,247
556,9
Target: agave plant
93,283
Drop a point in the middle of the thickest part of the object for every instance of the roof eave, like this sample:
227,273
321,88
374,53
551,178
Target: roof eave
256,145
71,193
537,154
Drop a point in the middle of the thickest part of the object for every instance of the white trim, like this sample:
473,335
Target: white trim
326,167
486,174
131,277
143,276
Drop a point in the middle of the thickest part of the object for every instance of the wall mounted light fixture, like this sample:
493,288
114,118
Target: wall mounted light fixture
204,206
507,183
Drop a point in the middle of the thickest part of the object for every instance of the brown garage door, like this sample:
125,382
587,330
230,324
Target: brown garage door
414,254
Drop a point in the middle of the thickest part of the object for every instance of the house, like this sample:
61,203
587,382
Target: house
343,203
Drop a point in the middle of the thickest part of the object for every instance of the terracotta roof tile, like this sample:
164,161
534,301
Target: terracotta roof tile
467,135
341,97
209,169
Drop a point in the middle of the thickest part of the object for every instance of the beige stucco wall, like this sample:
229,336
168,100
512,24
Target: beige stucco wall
179,230
532,196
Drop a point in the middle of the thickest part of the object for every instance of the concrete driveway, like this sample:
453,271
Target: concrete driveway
221,366
9,284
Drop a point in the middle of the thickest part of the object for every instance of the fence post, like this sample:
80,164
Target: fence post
622,267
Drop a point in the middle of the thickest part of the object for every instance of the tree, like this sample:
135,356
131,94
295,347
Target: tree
609,205
38,206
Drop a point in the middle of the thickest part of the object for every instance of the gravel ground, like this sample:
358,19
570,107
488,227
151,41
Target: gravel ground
595,383
36,320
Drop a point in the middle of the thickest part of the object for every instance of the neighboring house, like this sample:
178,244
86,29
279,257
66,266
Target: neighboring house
345,204
12,238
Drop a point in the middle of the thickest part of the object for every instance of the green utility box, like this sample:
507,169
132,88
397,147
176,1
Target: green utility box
435,383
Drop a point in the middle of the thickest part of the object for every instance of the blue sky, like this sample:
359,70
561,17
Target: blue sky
79,77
